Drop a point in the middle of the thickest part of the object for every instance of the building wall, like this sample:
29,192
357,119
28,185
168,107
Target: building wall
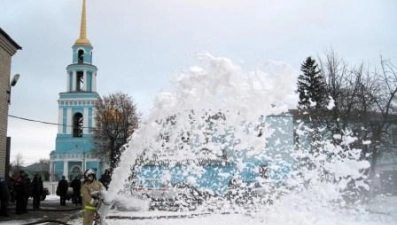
7,49
5,62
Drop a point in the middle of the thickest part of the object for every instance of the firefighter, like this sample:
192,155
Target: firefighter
90,193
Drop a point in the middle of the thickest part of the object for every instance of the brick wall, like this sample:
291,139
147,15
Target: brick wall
7,49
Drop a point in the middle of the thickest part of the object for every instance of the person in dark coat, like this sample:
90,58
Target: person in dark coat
76,185
37,191
11,181
21,191
106,178
28,192
62,190
4,197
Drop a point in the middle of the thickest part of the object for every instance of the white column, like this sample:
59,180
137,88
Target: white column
85,80
94,82
66,169
74,77
92,118
51,170
84,161
60,119
68,81
82,166
85,121
69,121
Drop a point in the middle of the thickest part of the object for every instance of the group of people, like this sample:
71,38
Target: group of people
86,192
20,188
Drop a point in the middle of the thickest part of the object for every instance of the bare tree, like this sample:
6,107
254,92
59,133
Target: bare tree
365,102
363,111
336,73
17,164
116,119
385,106
45,168
45,162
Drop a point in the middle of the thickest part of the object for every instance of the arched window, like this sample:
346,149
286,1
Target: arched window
80,56
78,125
80,86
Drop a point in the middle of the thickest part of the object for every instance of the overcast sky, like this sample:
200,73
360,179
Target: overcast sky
140,45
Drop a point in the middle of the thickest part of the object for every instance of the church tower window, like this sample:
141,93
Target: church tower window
80,81
78,125
81,56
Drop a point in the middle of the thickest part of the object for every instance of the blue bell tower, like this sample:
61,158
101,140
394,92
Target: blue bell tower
76,109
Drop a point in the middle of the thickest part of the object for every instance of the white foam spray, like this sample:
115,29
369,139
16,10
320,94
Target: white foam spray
220,86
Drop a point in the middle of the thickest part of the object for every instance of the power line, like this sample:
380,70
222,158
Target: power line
32,120
43,122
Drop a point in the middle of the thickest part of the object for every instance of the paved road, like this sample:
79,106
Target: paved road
50,209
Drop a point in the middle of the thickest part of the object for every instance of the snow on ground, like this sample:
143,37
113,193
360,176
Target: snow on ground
18,222
380,211
238,219
52,197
